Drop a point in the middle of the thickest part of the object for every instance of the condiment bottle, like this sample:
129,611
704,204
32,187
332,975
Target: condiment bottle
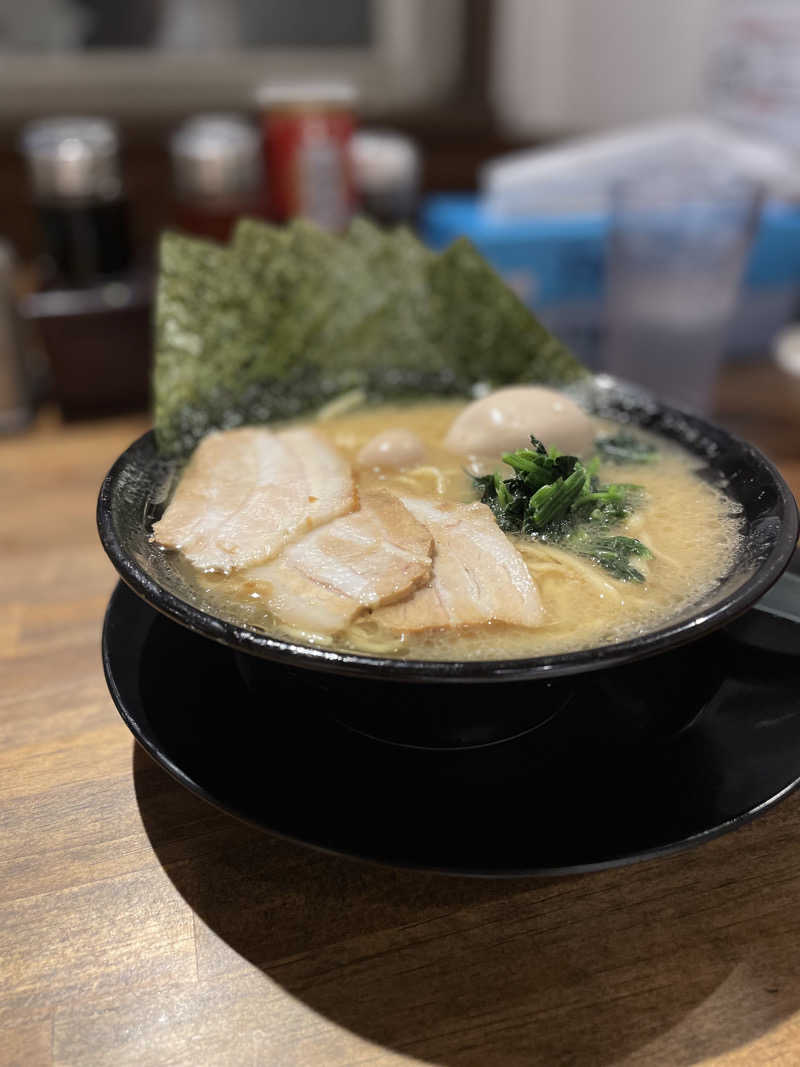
74,168
386,170
18,371
216,173
307,129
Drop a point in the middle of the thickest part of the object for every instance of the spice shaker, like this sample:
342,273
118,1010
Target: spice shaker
386,172
77,188
18,371
216,173
92,310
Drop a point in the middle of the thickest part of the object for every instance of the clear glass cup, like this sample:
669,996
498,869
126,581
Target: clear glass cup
676,251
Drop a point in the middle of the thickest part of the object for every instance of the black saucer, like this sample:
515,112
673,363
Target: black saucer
613,766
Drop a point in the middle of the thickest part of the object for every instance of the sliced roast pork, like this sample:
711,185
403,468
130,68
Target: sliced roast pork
246,493
478,575
371,557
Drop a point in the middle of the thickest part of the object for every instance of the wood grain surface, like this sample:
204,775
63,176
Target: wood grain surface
140,926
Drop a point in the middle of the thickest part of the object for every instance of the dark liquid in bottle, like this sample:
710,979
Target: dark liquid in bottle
215,219
86,241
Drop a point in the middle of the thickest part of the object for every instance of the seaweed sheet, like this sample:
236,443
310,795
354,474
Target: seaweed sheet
284,319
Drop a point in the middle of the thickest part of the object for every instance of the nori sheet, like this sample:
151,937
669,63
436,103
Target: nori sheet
284,319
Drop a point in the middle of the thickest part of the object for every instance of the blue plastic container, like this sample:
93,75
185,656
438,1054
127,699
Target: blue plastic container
556,266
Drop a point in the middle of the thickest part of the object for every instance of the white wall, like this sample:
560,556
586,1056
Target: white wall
568,65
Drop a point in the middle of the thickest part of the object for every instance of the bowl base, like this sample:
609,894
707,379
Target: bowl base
639,762
640,703
428,717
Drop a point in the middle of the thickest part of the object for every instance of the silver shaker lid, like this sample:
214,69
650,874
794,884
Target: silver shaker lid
216,155
73,158
384,161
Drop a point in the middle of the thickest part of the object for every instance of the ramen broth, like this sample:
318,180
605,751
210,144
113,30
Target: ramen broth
691,528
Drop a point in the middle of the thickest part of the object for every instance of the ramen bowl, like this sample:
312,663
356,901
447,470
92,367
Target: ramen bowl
135,491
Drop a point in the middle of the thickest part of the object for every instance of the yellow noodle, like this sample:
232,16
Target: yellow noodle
341,405
544,568
411,478
303,637
371,644
587,572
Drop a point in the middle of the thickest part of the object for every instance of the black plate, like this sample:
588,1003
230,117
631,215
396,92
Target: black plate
624,764
136,488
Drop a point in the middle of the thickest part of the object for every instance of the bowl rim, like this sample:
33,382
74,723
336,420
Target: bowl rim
672,635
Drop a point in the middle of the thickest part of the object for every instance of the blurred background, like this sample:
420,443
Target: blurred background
533,127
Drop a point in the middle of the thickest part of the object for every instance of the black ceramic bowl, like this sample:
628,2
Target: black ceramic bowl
135,490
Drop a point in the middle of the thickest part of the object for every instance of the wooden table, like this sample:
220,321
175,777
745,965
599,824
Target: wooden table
140,926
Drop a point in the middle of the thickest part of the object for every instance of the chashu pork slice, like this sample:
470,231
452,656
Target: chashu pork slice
371,557
248,492
478,575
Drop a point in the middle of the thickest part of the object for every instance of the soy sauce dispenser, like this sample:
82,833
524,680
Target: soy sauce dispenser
216,174
78,193
91,307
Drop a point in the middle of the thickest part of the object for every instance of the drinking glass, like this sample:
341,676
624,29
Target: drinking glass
676,251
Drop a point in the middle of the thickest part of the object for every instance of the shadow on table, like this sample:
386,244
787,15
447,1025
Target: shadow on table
664,962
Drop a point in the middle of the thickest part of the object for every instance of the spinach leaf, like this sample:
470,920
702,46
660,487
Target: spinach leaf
624,447
557,499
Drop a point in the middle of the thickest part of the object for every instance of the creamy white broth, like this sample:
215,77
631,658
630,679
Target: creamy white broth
688,525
